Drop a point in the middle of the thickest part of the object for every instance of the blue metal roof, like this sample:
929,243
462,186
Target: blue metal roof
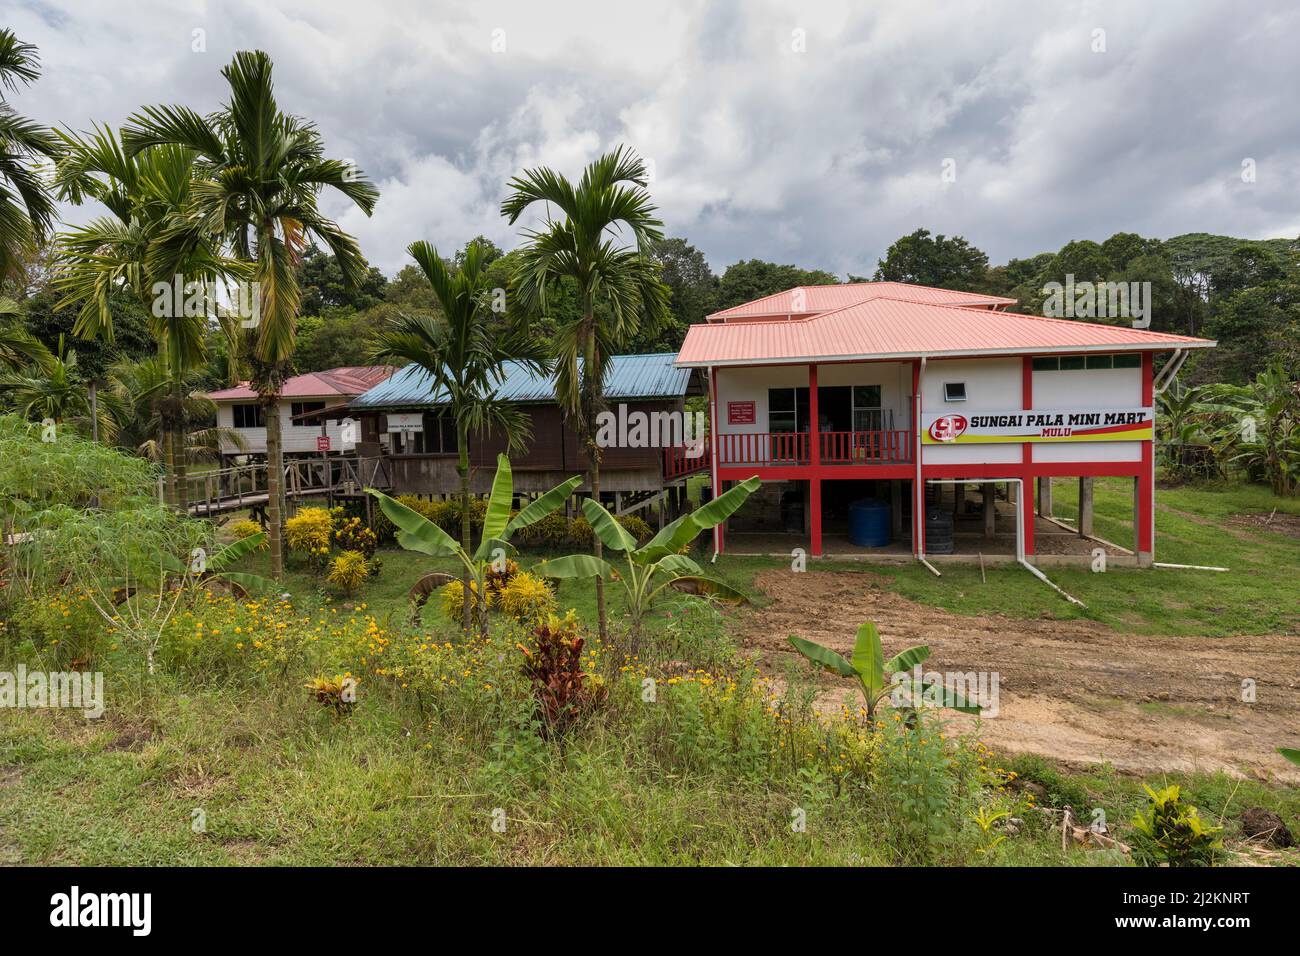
628,377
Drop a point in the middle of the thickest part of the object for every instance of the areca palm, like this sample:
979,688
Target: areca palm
145,193
617,284
144,389
17,347
463,357
55,391
26,209
260,172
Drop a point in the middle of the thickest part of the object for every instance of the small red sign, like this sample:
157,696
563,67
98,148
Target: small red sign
948,427
322,442
740,413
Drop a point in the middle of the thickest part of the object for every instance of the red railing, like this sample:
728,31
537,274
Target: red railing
837,448
678,460
851,448
763,448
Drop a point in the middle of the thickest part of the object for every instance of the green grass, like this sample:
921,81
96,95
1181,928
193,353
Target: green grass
407,780
1190,529
1221,798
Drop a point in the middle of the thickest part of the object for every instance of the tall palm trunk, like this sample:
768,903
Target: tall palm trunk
179,454
274,480
462,469
590,398
169,461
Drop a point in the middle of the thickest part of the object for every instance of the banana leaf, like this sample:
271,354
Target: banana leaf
415,532
573,566
606,527
535,511
497,515
869,659
824,656
709,587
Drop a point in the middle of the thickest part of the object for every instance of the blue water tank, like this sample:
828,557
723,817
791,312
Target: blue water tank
869,523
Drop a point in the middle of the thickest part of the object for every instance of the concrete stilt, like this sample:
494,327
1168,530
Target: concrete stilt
990,509
1085,506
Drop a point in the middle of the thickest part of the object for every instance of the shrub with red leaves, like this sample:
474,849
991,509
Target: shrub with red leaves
496,580
554,666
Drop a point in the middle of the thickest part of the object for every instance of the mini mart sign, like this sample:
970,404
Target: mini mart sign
1039,425
405,423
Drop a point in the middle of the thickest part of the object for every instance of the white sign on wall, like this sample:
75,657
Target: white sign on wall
405,423
1039,425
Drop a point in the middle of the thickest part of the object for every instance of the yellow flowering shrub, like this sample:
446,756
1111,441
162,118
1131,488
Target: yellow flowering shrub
246,529
308,533
351,534
453,599
526,598
348,571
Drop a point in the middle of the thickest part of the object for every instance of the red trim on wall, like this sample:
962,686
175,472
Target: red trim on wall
918,489
1146,538
1146,516
1027,489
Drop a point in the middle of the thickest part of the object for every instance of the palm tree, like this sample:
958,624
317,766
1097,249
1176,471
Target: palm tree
463,356
17,347
56,391
260,172
143,389
145,193
26,210
617,285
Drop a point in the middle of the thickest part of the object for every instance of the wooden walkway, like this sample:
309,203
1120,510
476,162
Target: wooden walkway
245,486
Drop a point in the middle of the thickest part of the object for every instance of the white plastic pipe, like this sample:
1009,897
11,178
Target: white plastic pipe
1020,533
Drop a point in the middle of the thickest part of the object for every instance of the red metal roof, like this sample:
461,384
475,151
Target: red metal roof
894,328
804,301
347,380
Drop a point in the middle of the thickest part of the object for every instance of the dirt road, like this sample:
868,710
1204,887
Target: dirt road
1073,690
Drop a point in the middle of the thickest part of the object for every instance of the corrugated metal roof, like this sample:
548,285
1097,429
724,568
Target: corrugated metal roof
805,301
884,328
629,377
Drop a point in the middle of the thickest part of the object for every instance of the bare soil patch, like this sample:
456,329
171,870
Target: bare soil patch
1077,691
1277,522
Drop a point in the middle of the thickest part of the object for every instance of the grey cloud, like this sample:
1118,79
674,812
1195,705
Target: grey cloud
820,157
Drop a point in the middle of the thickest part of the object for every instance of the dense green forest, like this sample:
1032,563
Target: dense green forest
1245,293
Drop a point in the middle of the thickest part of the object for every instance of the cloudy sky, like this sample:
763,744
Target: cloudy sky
812,133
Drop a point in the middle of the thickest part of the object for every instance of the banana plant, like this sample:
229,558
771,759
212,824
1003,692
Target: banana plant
1291,754
877,677
659,563
415,532
202,566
